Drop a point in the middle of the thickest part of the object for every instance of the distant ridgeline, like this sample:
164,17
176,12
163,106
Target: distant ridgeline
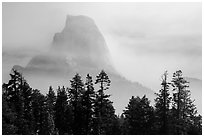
85,108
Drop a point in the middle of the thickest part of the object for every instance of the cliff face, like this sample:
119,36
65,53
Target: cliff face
81,40
79,45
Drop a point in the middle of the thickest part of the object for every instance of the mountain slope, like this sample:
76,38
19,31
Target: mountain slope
80,48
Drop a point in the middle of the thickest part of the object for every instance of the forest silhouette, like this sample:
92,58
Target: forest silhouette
84,108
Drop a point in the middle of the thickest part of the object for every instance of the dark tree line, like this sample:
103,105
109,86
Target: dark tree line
81,109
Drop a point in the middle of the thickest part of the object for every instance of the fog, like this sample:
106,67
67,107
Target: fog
144,39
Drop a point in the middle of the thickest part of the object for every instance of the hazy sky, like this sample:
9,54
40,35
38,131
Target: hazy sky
144,39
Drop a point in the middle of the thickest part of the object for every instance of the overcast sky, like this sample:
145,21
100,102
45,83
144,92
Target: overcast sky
144,39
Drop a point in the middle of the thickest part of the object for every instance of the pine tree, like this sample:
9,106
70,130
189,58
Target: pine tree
14,90
51,101
69,118
19,100
103,108
8,117
27,101
60,111
75,96
39,113
87,103
183,107
103,80
109,122
162,105
139,116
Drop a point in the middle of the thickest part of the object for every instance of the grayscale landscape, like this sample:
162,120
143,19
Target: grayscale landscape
120,68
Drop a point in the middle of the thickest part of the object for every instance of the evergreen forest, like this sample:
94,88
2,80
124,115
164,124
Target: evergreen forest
85,108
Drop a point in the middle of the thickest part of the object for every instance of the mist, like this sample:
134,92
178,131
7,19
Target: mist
144,39
87,68
137,34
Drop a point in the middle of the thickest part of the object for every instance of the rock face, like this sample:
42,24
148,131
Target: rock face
81,39
79,45
80,48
